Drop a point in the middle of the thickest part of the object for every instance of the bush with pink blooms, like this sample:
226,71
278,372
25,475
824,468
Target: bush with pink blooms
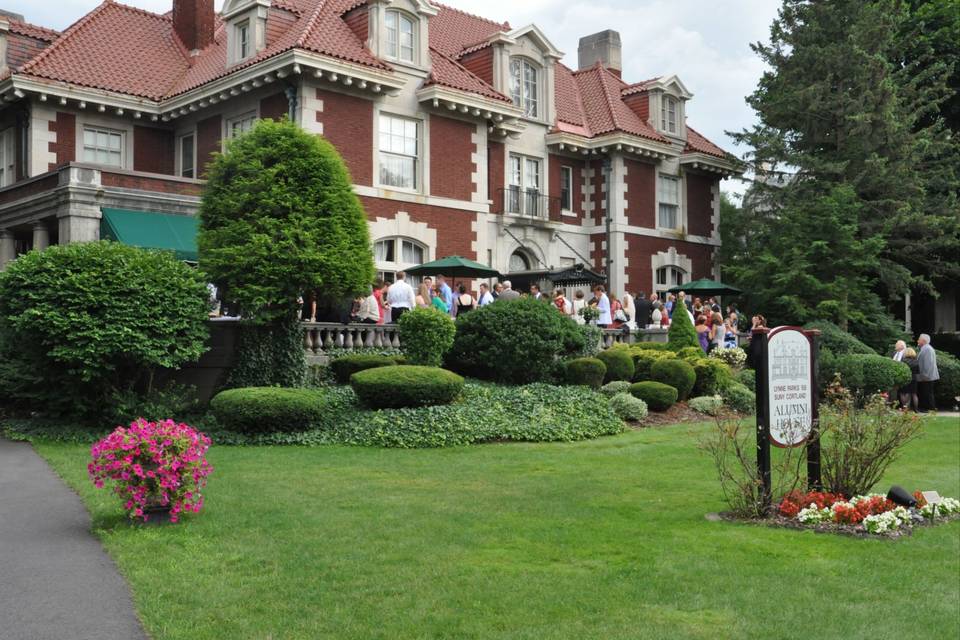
153,464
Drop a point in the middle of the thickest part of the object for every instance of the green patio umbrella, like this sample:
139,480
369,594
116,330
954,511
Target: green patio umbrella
706,287
454,267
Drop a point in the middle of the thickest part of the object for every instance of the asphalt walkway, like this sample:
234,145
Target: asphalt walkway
56,581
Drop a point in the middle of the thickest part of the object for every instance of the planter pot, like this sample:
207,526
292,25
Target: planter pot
156,515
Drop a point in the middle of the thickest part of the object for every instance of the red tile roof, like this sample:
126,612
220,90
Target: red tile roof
452,30
696,143
32,30
604,111
449,73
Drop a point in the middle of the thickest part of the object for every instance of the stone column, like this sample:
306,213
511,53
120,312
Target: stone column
8,248
41,236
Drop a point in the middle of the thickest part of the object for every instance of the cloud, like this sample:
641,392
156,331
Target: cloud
706,43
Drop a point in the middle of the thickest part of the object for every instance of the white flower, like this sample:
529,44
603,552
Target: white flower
946,506
813,515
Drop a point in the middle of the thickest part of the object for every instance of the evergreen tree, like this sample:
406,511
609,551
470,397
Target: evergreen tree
681,332
853,117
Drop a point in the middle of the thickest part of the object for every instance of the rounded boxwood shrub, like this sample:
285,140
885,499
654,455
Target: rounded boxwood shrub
651,346
406,386
658,396
678,374
585,371
748,378
644,359
613,388
739,398
712,376
947,389
709,405
619,364
690,353
882,374
628,407
515,341
426,334
268,409
346,366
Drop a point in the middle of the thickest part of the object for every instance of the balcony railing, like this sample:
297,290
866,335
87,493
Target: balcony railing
527,202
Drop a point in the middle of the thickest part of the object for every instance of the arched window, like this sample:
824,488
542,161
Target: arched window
668,114
397,254
401,36
519,261
669,277
524,86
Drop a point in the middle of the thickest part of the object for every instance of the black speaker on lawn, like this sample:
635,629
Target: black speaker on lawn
901,496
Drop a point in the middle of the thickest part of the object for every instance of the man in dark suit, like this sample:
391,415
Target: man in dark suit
644,309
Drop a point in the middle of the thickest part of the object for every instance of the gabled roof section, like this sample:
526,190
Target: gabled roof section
668,83
604,110
570,115
452,31
539,38
116,48
696,143
32,31
447,72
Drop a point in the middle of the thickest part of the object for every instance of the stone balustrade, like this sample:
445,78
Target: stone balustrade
321,337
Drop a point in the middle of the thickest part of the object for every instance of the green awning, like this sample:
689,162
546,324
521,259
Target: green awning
152,231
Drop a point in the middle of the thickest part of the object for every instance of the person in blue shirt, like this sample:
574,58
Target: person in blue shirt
446,291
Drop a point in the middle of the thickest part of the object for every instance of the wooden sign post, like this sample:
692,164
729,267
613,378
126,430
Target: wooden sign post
788,411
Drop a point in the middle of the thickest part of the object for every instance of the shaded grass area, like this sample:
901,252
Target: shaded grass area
598,539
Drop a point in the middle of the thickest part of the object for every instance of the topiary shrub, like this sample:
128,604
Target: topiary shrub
644,359
628,407
739,398
346,366
850,370
269,355
748,378
268,409
592,340
406,386
710,405
838,341
613,388
681,333
678,374
688,353
585,371
712,376
427,335
866,374
619,363
658,396
514,341
83,323
947,389
652,346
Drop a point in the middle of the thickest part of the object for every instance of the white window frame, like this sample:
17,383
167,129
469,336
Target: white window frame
672,276
243,44
523,195
669,114
96,129
678,205
250,117
382,152
394,47
387,268
8,156
566,207
520,90
193,159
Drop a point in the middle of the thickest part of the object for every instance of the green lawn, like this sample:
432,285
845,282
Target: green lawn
602,539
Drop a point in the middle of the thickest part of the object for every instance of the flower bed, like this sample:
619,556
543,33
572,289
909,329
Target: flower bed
867,514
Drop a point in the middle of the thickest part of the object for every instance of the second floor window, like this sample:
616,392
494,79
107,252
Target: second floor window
187,168
669,202
566,188
668,114
8,153
523,196
243,40
524,83
103,146
399,152
400,36
241,124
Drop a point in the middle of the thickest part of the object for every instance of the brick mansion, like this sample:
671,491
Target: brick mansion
463,136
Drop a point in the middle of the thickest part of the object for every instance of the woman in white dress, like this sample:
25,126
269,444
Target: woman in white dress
578,304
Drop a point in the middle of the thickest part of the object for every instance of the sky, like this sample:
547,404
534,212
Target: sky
706,43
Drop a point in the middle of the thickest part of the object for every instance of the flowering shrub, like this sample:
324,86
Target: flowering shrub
874,512
734,356
153,464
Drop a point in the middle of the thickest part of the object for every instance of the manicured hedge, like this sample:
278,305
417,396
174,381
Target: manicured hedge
406,386
644,359
947,389
658,396
739,398
268,409
619,364
866,374
427,335
613,388
712,376
628,407
709,405
651,346
748,378
346,366
691,353
585,371
678,374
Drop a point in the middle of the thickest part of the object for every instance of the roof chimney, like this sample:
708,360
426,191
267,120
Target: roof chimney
603,47
193,20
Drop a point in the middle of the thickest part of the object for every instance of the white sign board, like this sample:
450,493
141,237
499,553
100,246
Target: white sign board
790,385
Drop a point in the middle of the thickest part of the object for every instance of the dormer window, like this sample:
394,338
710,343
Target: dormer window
243,40
401,36
668,114
524,86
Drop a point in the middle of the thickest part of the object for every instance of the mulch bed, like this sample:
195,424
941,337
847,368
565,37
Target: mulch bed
830,527
680,413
